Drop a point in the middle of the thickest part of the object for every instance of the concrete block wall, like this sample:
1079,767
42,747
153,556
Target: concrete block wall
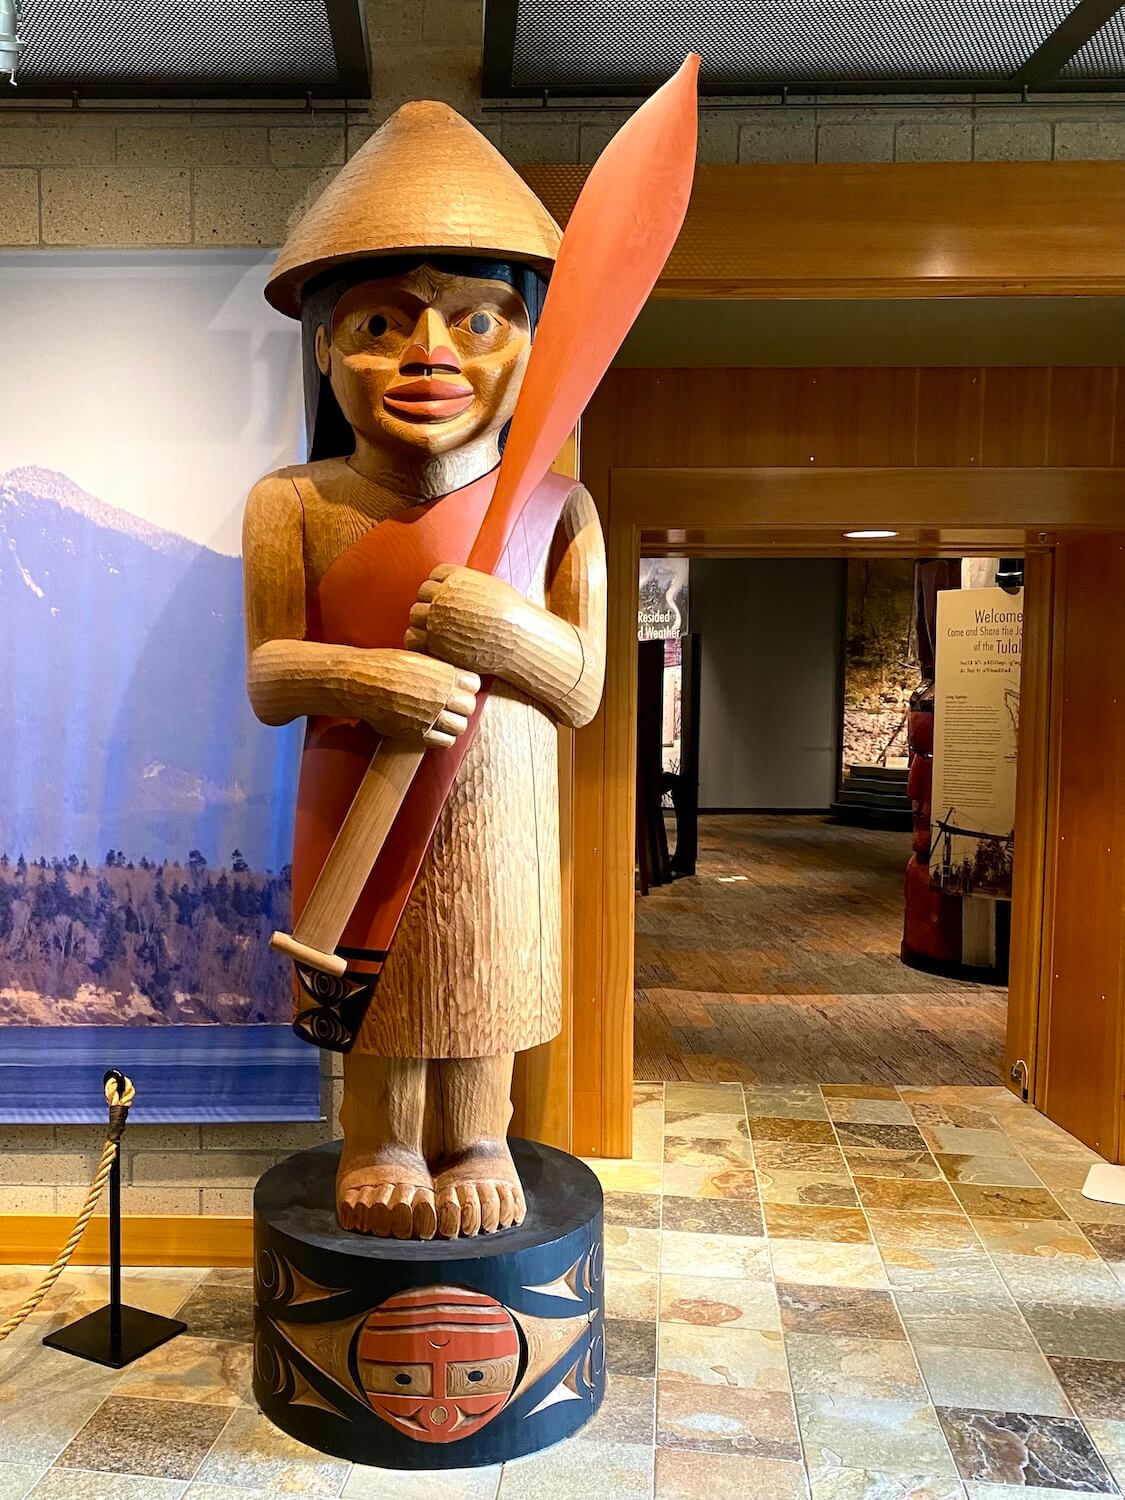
180,175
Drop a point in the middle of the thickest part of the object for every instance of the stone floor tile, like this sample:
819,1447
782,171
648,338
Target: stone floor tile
904,1196
930,1114
990,1202
632,1294
870,1111
631,1249
789,1221
623,1472
198,1490
907,1166
79,1484
746,1357
810,1189
1017,1448
704,1098
1060,1278
713,1152
718,1302
809,1263
799,1156
853,1311
923,1227
396,1484
630,1346
977,1491
879,1137
962,1273
710,1182
46,1397
714,1255
869,1484
1042,1237
252,1453
843,1365
163,1439
961,1141
216,1371
713,1216
17,1480
992,1379
1085,1210
893,1437
627,1176
1109,1439
997,1171
1058,1171
634,1210
627,1413
1107,1239
859,1091
726,1419
681,1476
777,1102
1082,1332
1096,1387
963,1322
802,1132
217,1310
706,1125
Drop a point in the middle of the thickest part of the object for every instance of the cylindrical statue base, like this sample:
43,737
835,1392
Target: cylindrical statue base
437,1354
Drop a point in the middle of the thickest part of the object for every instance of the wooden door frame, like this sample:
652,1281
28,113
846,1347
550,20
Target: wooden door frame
712,512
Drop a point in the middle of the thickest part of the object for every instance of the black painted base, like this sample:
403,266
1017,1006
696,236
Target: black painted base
429,1355
92,1337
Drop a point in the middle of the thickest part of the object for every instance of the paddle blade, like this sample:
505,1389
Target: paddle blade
616,241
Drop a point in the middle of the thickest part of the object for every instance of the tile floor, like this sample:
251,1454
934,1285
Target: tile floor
842,1293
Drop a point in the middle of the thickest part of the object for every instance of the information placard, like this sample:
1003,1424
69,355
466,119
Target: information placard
976,725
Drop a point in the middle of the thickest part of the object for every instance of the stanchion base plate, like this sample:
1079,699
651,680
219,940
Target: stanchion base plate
90,1337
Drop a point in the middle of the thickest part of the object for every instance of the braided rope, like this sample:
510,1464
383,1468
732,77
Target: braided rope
118,1111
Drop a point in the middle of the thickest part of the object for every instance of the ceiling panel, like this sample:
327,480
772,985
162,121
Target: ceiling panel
627,46
189,46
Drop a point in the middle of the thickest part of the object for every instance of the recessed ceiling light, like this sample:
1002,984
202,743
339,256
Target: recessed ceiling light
870,536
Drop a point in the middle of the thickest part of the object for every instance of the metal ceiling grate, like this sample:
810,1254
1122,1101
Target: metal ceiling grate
170,45
626,46
1103,56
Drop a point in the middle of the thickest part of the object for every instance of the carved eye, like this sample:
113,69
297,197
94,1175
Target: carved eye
476,1375
403,1379
376,325
480,322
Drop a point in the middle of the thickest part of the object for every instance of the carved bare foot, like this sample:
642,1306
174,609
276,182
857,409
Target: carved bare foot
390,1195
479,1192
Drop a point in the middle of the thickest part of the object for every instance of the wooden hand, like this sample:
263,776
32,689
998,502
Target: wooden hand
469,619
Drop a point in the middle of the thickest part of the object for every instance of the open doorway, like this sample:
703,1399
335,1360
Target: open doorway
823,920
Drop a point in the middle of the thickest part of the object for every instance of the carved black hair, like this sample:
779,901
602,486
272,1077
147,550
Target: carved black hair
327,429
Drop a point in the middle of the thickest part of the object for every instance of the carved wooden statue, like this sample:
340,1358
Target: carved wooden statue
434,656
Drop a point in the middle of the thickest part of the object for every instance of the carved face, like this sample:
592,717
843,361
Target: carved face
438,1363
427,360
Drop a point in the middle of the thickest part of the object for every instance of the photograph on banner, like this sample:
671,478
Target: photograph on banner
662,615
976,729
145,814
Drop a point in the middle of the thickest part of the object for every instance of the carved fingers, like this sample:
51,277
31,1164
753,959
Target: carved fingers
466,618
459,708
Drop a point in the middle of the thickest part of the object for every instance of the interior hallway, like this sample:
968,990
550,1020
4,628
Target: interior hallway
778,963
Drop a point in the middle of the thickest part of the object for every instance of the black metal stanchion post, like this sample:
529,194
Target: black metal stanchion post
116,1334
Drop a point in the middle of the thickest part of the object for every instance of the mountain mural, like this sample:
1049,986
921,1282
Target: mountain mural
122,690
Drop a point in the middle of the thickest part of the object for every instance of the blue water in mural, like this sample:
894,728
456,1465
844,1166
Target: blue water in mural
145,822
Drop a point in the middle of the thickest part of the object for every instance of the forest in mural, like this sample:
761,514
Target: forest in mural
880,660
145,814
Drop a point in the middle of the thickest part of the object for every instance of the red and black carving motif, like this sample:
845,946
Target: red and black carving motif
440,1362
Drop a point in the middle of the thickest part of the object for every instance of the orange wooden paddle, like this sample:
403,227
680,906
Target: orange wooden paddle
617,239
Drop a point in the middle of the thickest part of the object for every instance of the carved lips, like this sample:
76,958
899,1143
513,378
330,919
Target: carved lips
429,398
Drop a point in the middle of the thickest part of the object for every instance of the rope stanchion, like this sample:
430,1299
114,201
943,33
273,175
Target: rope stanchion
113,1335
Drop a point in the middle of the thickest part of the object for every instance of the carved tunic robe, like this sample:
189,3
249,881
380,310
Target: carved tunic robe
475,967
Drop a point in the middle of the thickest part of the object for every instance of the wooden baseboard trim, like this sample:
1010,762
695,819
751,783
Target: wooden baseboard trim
146,1240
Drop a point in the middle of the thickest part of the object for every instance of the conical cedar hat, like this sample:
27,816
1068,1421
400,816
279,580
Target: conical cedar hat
427,180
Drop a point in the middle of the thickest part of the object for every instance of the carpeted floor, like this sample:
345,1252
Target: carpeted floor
778,963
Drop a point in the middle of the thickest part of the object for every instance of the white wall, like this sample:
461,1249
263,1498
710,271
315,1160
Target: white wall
770,633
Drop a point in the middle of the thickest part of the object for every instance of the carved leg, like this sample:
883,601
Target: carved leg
475,1179
383,1185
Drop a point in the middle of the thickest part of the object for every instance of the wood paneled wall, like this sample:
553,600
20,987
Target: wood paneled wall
794,419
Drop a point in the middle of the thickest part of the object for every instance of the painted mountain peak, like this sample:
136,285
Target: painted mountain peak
122,677
33,483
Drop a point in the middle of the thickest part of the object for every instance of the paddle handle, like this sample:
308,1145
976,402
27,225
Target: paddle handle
351,859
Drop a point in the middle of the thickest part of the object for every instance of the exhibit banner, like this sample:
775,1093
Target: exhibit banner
976,727
145,815
662,609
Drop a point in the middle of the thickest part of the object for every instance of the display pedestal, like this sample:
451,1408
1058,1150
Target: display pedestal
436,1354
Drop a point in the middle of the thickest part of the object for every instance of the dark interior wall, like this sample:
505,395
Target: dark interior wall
770,633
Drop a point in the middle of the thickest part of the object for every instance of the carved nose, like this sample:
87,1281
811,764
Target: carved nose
430,349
